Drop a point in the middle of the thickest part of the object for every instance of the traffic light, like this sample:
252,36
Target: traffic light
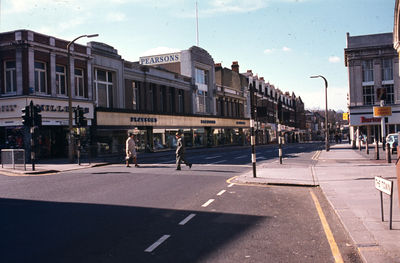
37,117
80,119
26,116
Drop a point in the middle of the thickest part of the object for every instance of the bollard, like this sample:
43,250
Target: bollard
280,150
388,156
359,144
366,147
376,150
398,171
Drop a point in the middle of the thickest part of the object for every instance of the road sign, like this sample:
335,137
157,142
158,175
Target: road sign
345,116
382,111
383,185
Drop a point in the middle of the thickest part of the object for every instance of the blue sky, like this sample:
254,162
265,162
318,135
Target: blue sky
284,41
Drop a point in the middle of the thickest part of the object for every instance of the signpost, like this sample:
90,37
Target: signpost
385,186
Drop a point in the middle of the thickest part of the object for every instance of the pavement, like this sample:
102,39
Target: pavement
345,175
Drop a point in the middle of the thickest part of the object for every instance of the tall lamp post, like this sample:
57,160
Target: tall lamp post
326,111
71,131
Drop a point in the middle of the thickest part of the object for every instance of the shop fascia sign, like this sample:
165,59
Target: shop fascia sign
16,106
160,59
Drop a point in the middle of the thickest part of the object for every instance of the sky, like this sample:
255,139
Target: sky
284,41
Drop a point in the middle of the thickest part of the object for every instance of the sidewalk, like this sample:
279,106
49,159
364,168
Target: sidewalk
346,177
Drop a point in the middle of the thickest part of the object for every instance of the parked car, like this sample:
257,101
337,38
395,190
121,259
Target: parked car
392,139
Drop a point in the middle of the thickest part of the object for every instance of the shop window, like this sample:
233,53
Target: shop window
40,77
368,95
10,77
60,80
104,88
80,89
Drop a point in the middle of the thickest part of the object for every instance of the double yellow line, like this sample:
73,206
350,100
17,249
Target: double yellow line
332,243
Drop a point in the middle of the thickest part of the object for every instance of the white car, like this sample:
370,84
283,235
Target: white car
392,139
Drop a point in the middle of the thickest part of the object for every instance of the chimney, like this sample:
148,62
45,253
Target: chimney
235,66
218,66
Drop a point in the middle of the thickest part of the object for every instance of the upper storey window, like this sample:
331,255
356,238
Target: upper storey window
368,70
10,77
40,77
387,69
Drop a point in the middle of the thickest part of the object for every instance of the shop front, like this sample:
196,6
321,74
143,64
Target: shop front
51,137
363,123
155,132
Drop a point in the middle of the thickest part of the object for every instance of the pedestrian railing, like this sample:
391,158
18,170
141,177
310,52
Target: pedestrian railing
13,157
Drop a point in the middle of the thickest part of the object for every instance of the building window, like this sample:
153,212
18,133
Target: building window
387,69
180,101
60,80
104,87
368,70
163,97
40,77
368,95
151,97
389,93
201,76
135,95
201,101
10,77
79,83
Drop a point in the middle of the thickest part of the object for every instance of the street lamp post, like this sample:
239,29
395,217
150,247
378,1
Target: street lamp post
326,111
70,137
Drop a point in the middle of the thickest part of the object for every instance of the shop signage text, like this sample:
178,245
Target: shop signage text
366,120
382,111
141,119
160,59
207,121
241,123
43,107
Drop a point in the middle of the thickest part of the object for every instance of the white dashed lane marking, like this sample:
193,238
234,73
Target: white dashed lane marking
157,243
208,202
187,219
221,192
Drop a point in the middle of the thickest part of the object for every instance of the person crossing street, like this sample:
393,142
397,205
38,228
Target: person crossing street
180,152
131,150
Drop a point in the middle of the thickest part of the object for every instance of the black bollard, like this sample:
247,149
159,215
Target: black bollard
376,150
366,147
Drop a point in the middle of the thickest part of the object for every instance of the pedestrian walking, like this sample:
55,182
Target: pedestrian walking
180,152
131,150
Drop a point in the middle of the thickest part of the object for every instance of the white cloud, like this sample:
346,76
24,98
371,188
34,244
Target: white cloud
159,50
273,50
116,17
334,59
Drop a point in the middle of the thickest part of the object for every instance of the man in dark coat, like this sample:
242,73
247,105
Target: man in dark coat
180,153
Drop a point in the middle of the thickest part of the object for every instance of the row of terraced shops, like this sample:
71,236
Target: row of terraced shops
154,97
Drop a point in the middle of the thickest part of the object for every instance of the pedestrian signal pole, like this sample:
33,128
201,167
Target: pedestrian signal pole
253,139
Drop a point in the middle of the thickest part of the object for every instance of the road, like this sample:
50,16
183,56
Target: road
157,214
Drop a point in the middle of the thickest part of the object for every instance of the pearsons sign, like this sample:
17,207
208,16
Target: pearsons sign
160,59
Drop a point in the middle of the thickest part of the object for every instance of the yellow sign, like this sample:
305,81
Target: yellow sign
382,111
345,116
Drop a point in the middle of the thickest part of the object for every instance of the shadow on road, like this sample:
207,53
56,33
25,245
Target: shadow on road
39,231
